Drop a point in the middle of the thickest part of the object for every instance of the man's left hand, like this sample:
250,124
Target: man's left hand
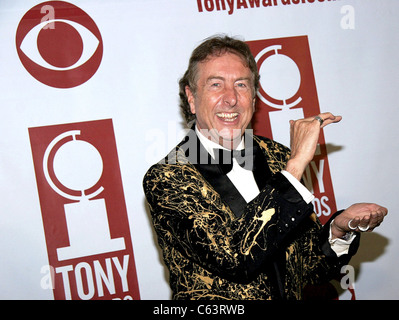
358,217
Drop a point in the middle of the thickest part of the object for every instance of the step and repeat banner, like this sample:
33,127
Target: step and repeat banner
89,100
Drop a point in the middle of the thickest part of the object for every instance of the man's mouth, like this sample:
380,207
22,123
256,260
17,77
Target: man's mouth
227,116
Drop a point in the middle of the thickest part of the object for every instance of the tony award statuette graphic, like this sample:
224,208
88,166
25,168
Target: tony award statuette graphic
280,79
78,166
83,210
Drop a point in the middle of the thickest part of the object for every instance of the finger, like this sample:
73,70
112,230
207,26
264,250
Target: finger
379,217
375,219
325,119
330,116
330,119
353,224
364,224
383,210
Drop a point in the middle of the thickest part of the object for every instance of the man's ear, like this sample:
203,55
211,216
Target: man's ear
190,99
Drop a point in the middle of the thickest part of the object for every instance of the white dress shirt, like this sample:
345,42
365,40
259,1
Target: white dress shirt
245,183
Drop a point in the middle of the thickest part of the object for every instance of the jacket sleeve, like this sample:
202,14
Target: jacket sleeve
189,215
319,262
333,263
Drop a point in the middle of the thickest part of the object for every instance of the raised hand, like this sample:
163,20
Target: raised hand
304,137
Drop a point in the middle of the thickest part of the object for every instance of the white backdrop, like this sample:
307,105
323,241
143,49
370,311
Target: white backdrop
147,45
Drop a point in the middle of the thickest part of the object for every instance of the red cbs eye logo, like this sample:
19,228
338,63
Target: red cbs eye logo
59,44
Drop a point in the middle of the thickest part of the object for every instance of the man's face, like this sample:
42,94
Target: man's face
223,100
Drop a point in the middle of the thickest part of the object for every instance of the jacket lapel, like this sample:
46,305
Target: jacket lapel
261,169
201,159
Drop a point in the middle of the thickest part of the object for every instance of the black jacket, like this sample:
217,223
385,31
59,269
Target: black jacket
217,246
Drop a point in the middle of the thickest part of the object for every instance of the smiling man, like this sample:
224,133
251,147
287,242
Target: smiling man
224,98
231,216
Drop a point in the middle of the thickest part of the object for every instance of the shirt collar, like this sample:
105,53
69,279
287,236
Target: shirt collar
210,145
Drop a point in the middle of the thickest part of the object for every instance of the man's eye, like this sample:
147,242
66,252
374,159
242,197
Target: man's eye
241,85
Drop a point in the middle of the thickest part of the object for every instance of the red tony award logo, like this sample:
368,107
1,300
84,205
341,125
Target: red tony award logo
288,92
84,212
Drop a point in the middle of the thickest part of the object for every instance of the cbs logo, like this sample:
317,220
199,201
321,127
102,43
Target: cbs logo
59,44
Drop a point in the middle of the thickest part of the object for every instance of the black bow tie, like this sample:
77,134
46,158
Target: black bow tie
245,158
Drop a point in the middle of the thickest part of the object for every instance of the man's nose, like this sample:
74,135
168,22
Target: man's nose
230,96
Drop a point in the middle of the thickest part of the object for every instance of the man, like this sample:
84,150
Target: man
229,232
